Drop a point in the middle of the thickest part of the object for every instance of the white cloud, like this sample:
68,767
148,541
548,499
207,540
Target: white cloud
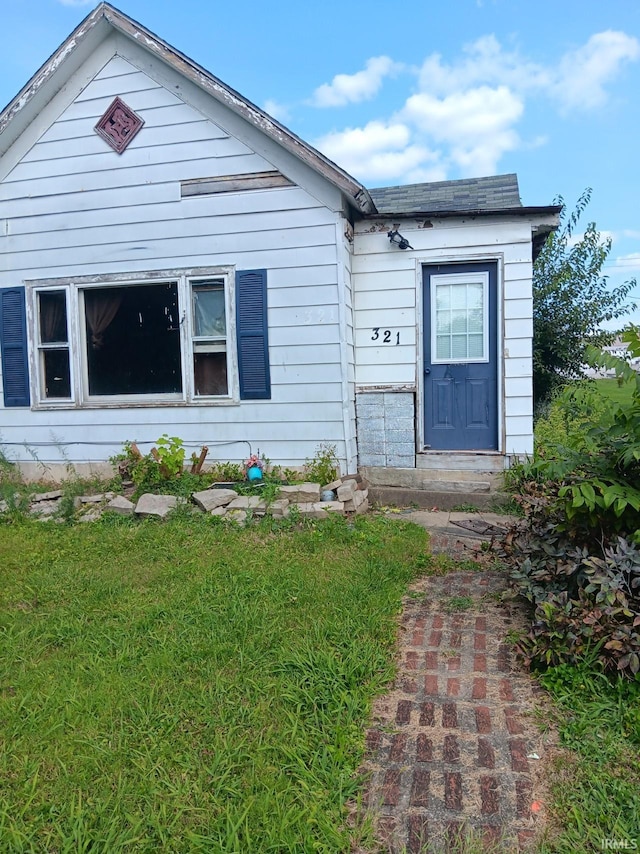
279,111
353,88
582,74
628,264
484,62
577,80
465,113
476,124
377,151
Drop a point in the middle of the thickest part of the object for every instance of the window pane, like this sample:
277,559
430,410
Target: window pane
443,347
210,373
133,340
475,321
475,296
443,322
443,297
475,347
208,310
458,296
57,378
53,317
458,321
459,347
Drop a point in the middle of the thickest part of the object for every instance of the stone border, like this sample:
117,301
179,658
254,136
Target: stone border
346,495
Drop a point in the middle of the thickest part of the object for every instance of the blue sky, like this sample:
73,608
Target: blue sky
417,90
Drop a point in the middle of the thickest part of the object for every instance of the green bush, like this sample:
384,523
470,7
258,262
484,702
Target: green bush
576,554
584,598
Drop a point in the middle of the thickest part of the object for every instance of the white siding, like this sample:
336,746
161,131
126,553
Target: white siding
71,207
387,285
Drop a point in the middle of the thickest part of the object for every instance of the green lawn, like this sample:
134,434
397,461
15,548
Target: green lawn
610,390
187,686
595,784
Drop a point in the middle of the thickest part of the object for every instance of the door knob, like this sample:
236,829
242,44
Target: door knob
427,370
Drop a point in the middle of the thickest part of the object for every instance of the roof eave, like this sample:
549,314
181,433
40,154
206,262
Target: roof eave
546,210
356,193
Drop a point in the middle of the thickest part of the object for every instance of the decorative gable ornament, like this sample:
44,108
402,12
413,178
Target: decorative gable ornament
119,125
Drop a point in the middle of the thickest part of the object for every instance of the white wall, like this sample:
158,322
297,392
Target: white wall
70,206
387,284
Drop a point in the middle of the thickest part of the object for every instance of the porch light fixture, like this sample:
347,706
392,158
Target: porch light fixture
396,239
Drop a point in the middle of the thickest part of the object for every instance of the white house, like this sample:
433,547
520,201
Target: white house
176,261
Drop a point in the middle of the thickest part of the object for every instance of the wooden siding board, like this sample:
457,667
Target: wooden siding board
148,251
94,147
269,225
129,177
171,155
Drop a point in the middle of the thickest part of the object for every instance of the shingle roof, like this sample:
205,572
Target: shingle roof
497,192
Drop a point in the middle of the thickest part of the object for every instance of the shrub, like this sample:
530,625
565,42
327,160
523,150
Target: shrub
584,598
324,466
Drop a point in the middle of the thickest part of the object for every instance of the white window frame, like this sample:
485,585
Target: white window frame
40,347
461,279
76,328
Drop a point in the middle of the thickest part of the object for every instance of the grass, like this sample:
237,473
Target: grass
610,390
190,686
596,786
457,603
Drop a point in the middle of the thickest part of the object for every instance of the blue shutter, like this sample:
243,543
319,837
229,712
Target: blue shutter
252,332
13,344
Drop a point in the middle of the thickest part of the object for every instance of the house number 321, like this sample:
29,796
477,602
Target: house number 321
385,336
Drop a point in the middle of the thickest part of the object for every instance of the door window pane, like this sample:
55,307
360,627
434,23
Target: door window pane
460,324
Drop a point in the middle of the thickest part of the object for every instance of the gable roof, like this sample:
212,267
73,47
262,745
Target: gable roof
94,29
498,192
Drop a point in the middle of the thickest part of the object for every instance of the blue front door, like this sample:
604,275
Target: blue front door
460,357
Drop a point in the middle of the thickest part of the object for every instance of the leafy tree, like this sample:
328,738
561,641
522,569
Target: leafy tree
571,299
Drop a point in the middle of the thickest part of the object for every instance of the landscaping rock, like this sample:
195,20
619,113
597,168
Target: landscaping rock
96,499
304,508
280,507
45,496
301,493
332,506
362,508
156,505
347,491
3,506
239,516
209,499
121,505
240,502
359,497
333,486
219,511
45,508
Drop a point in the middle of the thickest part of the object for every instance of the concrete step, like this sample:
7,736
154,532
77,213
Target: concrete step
469,461
455,481
399,496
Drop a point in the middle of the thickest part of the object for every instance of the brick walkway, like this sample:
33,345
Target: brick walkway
450,749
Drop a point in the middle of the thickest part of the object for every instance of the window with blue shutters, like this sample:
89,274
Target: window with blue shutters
13,347
162,337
